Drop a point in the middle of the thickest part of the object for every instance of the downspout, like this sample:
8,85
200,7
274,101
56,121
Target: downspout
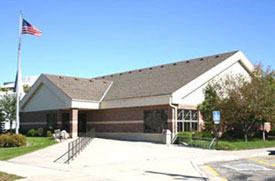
174,120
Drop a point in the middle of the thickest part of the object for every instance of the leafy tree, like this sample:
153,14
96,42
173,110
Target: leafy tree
245,103
4,89
8,107
209,104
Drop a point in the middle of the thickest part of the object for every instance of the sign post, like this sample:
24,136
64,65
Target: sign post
216,119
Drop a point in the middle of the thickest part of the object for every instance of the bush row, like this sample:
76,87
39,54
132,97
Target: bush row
39,132
12,140
198,134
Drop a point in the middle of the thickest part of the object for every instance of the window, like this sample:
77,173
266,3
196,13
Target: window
188,120
52,121
155,120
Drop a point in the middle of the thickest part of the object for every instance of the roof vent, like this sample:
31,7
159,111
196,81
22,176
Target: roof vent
130,72
60,77
217,56
150,68
139,70
161,66
120,74
174,64
187,61
201,59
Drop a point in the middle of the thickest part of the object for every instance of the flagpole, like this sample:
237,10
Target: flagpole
18,74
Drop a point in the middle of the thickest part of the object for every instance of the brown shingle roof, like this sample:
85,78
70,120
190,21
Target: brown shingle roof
160,80
80,88
152,81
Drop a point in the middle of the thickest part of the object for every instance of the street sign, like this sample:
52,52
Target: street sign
216,117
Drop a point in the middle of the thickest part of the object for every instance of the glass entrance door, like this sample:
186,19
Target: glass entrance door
82,124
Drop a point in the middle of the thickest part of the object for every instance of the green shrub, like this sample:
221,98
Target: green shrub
49,134
18,140
32,132
40,132
185,134
203,134
232,134
12,140
4,140
183,137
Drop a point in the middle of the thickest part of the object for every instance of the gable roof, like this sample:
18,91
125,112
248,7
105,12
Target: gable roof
159,80
152,81
80,88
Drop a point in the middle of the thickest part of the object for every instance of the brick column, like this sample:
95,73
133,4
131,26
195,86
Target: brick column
73,122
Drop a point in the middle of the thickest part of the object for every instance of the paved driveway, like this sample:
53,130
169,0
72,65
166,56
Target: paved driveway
254,169
105,159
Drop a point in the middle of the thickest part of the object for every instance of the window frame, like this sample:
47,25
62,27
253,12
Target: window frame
182,121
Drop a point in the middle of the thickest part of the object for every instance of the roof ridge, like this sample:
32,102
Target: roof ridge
66,76
163,65
72,77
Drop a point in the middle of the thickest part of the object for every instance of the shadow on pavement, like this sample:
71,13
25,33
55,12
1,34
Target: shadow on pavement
177,176
271,152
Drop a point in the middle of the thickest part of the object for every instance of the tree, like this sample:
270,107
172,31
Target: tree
8,107
208,106
245,103
26,88
4,89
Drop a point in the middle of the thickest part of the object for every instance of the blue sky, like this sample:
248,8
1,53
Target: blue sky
88,38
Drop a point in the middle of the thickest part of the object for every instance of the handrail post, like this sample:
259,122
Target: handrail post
69,153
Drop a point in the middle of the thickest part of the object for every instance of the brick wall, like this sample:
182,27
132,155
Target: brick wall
101,120
124,119
29,120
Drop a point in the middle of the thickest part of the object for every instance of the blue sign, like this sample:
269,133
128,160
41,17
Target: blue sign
216,117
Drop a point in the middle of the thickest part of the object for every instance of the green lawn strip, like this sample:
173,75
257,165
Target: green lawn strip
8,177
241,145
35,143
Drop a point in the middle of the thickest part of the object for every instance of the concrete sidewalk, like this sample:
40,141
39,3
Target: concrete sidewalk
105,159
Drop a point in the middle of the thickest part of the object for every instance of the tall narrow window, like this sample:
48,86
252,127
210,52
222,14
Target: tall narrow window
188,120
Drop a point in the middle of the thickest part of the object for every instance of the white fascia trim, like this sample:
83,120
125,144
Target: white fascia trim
135,102
84,104
107,90
210,74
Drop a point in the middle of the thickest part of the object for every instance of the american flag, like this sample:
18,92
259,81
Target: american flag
27,28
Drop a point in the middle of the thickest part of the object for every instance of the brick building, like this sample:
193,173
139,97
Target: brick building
136,104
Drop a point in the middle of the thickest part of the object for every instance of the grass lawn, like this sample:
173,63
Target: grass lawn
241,145
34,143
8,177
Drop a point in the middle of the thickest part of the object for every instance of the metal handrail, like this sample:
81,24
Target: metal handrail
77,145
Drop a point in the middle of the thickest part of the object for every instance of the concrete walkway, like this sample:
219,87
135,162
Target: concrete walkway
105,159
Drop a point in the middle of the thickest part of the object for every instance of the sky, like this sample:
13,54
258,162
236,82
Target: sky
88,38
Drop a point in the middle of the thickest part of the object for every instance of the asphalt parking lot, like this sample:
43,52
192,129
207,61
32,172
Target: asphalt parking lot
252,169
